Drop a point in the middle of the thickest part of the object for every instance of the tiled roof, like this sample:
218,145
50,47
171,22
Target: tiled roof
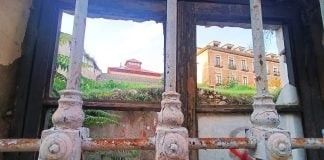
123,69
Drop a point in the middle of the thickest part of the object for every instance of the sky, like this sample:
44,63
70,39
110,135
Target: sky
112,42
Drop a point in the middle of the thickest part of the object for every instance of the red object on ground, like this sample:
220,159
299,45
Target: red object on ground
242,156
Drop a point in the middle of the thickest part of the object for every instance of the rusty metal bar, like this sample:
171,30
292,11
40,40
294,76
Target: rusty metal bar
307,143
149,143
118,144
258,48
220,143
19,145
32,145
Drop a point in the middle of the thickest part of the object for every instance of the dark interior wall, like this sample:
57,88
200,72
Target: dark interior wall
312,21
309,70
13,20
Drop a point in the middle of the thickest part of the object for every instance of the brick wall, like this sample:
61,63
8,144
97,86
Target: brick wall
208,69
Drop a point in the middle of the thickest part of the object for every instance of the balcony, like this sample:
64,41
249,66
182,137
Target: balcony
219,65
245,69
232,66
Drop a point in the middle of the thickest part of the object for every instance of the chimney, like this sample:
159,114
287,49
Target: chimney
133,64
228,46
214,43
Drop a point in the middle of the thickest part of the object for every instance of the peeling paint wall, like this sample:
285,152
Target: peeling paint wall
234,125
14,15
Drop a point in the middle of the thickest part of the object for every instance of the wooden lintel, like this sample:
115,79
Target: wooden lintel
241,108
114,105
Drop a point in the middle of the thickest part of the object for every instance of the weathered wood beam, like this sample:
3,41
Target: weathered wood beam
138,11
114,105
205,108
214,12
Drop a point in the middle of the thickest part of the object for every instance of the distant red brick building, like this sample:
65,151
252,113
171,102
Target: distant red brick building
132,71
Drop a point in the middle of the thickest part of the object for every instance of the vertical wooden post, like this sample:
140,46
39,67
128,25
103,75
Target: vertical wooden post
171,138
186,72
322,13
272,142
63,141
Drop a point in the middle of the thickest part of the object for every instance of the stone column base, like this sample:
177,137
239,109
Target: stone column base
272,143
171,143
59,144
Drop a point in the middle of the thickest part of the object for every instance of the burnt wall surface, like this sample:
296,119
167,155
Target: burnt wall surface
13,20
314,41
309,68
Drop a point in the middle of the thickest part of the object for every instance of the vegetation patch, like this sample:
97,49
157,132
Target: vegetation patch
110,90
231,93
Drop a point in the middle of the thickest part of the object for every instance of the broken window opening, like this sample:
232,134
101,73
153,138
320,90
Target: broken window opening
236,43
121,92
123,60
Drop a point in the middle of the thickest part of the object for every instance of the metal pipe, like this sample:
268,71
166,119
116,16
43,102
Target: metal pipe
171,46
307,143
258,48
149,143
19,145
118,144
221,143
77,48
32,145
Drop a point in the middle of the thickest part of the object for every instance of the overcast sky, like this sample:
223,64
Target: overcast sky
112,42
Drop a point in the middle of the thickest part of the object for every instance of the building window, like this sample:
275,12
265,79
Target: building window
243,65
218,61
218,78
231,64
275,71
231,78
245,80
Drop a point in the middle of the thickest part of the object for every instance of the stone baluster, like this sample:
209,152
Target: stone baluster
171,138
63,141
272,142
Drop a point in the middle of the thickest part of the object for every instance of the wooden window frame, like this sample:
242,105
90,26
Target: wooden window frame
243,80
118,105
35,62
217,80
220,61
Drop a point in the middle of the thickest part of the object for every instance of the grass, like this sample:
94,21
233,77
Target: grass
241,94
111,89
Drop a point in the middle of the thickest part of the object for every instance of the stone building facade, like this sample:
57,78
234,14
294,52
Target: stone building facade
219,64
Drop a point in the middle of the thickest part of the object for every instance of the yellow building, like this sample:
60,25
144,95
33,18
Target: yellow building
219,64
